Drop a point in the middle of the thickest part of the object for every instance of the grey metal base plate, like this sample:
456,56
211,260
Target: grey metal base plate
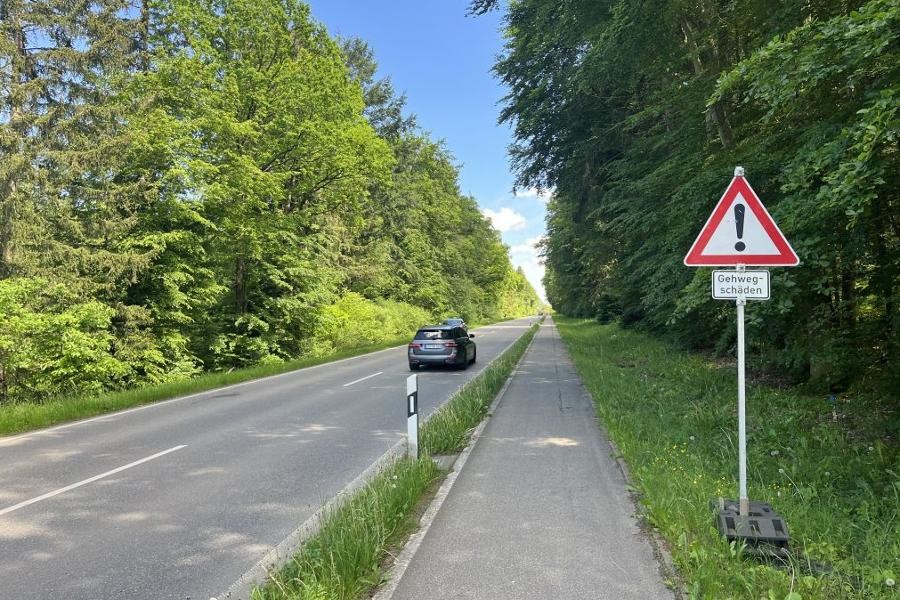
762,526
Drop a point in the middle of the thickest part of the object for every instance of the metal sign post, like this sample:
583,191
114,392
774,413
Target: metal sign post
742,408
739,232
412,416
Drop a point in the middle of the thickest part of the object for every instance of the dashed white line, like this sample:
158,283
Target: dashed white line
4,441
8,440
363,378
87,481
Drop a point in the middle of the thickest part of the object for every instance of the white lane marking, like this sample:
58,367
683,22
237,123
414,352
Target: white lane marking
363,378
89,480
5,441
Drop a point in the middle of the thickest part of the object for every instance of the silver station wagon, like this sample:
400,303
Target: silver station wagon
442,345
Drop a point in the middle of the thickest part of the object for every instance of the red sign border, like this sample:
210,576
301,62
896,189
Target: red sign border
786,256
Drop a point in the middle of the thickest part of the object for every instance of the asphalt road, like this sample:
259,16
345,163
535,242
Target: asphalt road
177,499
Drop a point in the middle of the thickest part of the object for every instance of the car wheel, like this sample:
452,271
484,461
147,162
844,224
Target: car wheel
413,367
474,356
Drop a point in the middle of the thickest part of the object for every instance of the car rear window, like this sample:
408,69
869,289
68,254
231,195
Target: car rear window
434,334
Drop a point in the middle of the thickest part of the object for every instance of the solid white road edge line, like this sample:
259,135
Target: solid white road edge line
363,378
89,480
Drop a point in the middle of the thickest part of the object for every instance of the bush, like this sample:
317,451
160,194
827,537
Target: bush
355,321
55,344
51,344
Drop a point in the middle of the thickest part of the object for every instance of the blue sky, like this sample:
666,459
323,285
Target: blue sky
441,59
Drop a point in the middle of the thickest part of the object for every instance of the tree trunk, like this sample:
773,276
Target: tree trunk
19,74
6,231
715,114
4,392
240,285
144,37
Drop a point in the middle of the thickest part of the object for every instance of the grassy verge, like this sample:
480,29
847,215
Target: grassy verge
16,418
673,417
344,560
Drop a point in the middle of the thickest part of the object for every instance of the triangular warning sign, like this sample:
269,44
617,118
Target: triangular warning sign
741,231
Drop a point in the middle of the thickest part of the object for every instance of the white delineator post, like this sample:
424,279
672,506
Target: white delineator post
742,408
412,416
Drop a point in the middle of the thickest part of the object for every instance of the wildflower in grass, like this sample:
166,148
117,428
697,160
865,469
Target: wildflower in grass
692,438
781,471
827,473
774,453
889,582
871,448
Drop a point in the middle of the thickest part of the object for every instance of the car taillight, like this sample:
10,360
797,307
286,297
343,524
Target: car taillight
449,344
415,345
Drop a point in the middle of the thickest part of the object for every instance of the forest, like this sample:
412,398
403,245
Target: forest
635,115
202,185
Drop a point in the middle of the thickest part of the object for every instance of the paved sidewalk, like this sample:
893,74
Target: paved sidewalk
540,510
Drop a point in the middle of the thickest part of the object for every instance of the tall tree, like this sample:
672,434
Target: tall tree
638,117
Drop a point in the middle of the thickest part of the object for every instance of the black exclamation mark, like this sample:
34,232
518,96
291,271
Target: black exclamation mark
739,223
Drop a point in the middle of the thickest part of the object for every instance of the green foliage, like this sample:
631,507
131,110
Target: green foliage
354,320
46,337
637,119
211,185
825,469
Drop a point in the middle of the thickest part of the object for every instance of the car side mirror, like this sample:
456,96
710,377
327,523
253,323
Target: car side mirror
471,335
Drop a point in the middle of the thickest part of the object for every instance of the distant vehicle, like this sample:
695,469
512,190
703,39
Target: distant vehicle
455,321
442,345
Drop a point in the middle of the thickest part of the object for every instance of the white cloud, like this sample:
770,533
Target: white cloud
506,219
527,250
542,195
525,255
534,273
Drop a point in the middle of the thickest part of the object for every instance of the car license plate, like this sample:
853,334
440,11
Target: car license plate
432,346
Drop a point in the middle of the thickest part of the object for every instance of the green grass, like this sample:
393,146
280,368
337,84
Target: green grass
449,428
673,418
343,560
26,416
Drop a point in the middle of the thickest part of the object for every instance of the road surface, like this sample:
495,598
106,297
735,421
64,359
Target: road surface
177,499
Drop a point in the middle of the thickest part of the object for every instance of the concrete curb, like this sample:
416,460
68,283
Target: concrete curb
657,542
395,574
288,548
284,551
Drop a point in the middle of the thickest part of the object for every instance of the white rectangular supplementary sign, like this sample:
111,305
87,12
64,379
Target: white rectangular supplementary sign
730,285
